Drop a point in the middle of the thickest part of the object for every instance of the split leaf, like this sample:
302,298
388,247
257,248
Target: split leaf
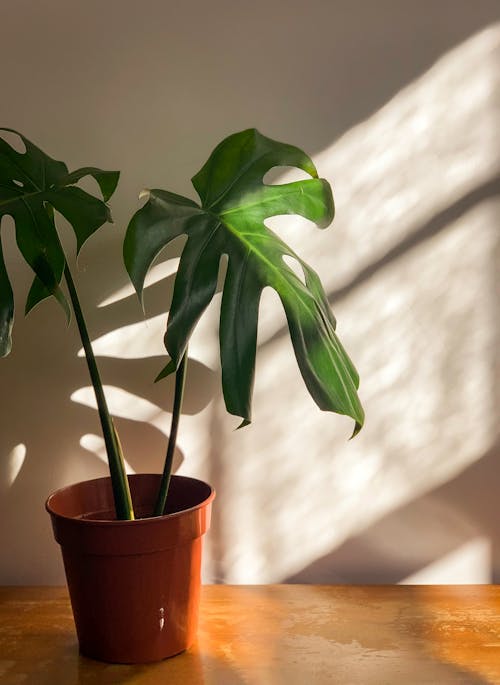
230,221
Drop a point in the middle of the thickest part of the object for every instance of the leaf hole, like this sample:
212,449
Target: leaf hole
221,275
14,140
89,185
295,266
279,175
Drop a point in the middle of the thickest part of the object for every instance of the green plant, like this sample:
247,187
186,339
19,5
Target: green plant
32,185
230,221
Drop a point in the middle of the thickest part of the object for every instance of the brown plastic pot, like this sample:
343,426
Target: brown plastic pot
134,585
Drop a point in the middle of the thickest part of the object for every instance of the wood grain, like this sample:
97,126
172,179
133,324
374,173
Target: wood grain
278,635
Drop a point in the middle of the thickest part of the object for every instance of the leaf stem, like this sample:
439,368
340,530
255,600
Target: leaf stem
180,380
119,481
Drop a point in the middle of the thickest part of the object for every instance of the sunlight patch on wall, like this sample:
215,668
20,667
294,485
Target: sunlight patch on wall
157,273
144,339
95,444
436,140
13,465
469,564
134,341
125,404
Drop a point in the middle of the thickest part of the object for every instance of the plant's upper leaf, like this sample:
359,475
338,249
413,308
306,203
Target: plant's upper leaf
230,221
31,185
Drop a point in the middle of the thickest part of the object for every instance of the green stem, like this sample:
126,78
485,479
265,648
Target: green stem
119,481
180,379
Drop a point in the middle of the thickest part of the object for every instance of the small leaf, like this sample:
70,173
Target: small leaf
31,185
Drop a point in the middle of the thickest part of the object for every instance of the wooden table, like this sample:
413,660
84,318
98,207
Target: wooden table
278,635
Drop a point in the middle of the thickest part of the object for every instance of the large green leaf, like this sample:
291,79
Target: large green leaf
32,184
230,221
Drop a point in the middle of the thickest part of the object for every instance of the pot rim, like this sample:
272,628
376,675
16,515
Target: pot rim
136,522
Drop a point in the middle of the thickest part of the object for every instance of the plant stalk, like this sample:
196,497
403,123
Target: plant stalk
180,381
119,482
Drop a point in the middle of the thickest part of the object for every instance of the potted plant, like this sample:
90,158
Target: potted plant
132,546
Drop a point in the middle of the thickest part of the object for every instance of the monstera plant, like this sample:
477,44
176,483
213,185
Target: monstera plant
229,221
234,202
135,585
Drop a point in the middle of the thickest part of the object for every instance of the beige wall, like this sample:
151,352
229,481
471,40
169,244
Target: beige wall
399,103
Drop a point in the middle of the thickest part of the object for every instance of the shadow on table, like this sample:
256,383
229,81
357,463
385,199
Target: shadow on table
189,668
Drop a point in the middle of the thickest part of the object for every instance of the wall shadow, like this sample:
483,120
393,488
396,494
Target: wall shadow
436,523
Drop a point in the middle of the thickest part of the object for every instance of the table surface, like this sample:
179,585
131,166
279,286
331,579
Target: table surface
277,635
